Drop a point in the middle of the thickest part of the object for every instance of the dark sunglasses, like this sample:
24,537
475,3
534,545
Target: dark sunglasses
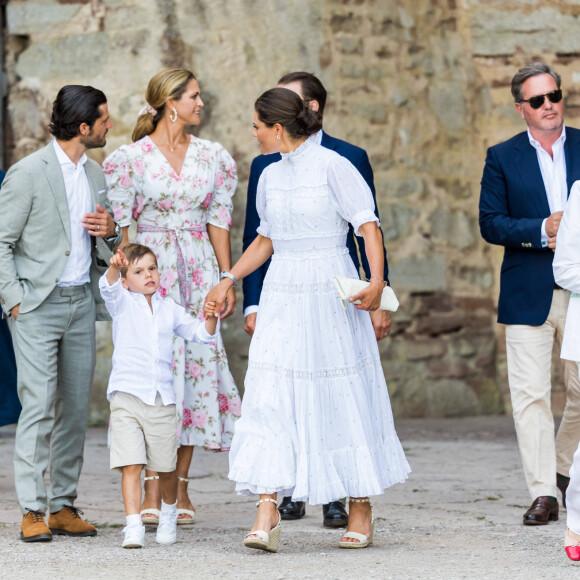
537,101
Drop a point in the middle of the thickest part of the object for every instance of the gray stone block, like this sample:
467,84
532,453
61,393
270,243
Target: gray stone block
417,274
30,18
500,32
455,227
448,103
77,55
396,221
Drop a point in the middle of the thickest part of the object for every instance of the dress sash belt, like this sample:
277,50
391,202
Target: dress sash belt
172,232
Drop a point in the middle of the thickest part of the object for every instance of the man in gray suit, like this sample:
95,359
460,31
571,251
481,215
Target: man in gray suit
55,233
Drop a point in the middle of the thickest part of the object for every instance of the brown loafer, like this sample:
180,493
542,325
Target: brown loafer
34,528
68,522
543,510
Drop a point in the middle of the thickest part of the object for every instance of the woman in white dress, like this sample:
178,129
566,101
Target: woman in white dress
567,274
316,418
179,190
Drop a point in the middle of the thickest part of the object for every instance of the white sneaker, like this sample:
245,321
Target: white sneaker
167,528
134,536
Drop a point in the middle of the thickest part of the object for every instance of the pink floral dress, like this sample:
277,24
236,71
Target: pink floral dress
171,212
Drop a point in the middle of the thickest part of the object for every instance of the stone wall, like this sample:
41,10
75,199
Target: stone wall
423,85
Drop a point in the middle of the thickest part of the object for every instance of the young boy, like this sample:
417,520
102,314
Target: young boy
143,420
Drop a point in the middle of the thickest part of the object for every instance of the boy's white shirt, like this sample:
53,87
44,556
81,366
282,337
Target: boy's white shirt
143,341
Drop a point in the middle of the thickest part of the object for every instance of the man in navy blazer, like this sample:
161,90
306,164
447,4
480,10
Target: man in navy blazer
313,93
525,185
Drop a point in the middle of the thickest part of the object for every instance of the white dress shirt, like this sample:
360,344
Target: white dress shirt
254,307
143,341
553,169
78,195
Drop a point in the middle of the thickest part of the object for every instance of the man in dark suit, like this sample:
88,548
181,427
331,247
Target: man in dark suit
525,185
313,93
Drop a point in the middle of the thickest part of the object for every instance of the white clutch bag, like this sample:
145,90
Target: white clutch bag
347,287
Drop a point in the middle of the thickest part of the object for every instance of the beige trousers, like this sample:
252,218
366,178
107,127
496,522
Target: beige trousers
529,357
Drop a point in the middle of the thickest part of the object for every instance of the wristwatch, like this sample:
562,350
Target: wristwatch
230,276
117,232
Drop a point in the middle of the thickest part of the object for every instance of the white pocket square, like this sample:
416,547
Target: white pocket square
347,287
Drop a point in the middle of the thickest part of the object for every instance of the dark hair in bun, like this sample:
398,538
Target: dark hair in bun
285,107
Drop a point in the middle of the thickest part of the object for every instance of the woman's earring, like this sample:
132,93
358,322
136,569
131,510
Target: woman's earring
173,117
277,136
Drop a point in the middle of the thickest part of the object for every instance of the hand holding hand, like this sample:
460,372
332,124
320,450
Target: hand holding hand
231,303
218,295
99,224
209,309
552,243
15,310
370,296
211,317
553,223
250,323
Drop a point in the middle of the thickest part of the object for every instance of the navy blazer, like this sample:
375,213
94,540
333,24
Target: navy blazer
512,207
252,284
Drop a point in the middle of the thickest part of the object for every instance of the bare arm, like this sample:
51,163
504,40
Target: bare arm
370,297
220,241
124,237
256,254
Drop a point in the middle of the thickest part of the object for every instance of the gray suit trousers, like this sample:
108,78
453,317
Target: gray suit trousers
55,357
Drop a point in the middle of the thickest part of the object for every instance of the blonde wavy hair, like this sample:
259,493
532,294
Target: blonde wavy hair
170,83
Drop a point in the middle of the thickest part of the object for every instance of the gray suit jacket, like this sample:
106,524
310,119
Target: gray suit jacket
35,231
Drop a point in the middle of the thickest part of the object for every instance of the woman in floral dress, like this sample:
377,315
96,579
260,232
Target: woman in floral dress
178,189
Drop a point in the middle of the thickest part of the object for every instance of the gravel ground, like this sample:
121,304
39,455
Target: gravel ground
458,516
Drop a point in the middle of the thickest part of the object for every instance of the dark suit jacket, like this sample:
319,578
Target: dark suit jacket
512,207
252,284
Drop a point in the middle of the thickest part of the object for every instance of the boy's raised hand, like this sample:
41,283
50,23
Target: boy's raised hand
119,260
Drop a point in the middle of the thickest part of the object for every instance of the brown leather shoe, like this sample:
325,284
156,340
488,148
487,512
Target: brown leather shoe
543,510
34,528
562,482
68,522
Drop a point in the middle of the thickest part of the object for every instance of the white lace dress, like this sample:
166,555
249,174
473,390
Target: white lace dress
316,418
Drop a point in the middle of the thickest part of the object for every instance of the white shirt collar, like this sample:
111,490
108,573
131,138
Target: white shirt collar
140,298
559,141
63,158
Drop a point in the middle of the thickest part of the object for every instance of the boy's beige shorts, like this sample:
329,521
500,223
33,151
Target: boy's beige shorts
142,434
